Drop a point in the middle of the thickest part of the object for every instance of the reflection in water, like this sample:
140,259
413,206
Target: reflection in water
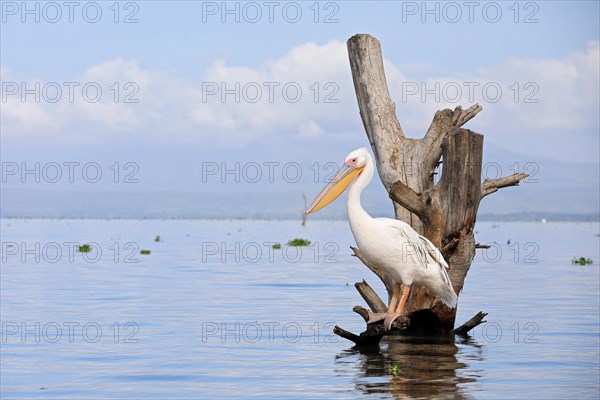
416,367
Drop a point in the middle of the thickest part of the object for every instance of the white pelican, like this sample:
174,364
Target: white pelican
393,246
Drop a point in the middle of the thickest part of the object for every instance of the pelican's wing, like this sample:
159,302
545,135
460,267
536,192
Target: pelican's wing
434,252
416,248
437,257
420,248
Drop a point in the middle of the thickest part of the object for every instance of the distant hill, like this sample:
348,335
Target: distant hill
555,191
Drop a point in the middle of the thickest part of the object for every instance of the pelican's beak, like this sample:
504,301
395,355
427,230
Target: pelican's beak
338,184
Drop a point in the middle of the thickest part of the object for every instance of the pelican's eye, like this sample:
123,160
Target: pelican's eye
352,162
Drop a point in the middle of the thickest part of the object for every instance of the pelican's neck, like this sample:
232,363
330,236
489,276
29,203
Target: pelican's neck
356,213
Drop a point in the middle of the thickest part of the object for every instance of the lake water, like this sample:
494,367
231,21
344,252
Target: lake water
213,311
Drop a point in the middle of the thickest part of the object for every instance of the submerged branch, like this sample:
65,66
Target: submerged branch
364,339
470,324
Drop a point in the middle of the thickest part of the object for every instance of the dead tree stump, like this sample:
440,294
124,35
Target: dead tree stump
444,212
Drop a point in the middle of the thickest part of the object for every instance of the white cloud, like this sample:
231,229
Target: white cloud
565,91
289,94
306,93
524,95
309,129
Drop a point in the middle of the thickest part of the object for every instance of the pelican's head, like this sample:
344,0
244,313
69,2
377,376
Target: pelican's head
353,166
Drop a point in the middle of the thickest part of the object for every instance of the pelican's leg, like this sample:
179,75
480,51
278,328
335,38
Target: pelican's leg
375,317
392,317
395,297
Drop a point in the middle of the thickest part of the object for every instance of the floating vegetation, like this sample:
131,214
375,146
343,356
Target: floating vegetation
299,242
277,246
157,238
582,261
395,370
144,251
84,248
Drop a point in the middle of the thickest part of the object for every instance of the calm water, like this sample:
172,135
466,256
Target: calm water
214,312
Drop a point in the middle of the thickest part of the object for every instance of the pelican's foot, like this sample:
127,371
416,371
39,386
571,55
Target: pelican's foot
376,317
389,321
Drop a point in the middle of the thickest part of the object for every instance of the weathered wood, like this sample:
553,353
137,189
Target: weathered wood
490,186
409,199
448,212
374,332
371,298
399,158
470,324
303,213
377,110
443,122
444,212
363,340
347,335
456,199
363,312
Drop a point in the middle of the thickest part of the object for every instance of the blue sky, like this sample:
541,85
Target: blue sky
174,59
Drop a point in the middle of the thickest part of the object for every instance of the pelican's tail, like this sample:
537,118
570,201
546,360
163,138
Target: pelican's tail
443,291
448,297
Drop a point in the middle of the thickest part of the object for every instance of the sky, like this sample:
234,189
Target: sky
175,94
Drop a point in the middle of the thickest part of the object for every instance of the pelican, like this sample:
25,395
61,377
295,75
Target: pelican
403,256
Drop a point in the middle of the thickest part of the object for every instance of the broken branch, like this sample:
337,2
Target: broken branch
468,114
407,198
492,185
444,121
470,324
363,312
370,297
